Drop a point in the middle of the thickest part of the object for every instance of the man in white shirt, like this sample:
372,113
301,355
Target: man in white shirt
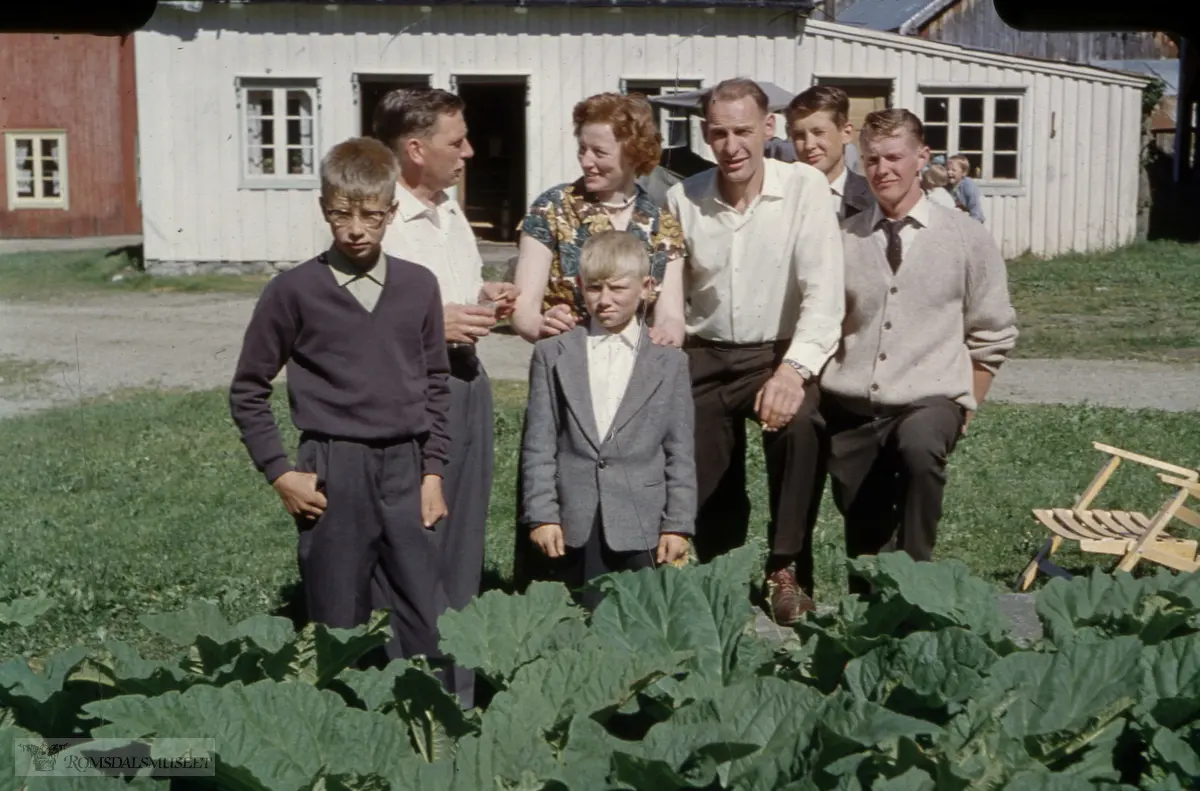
819,124
763,286
426,130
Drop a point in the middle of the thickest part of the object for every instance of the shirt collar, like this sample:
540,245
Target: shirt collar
772,186
919,213
838,185
410,207
344,272
598,334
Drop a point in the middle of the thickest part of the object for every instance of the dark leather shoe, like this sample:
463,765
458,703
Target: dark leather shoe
785,598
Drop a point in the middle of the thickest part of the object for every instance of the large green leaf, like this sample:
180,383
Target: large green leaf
497,633
1059,711
700,613
24,612
1171,692
830,640
776,717
45,702
926,596
262,647
1102,605
269,735
123,668
594,678
924,670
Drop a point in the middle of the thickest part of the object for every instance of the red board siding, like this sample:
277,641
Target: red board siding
84,85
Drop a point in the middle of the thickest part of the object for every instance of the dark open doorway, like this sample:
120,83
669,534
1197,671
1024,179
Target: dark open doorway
492,191
373,87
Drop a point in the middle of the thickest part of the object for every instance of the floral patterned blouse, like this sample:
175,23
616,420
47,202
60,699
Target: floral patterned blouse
563,217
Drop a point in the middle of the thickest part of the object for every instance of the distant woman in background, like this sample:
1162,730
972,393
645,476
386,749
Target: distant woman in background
618,142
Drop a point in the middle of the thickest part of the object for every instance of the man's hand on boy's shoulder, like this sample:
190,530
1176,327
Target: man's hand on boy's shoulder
300,495
468,323
433,503
549,539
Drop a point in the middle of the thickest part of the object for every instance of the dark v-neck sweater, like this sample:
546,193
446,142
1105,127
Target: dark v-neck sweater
376,377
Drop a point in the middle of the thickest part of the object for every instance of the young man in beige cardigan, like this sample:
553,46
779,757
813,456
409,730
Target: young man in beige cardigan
928,324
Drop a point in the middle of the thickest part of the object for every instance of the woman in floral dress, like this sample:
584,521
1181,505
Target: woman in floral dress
618,141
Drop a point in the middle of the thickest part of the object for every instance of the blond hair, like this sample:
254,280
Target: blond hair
934,176
612,254
889,123
962,160
360,169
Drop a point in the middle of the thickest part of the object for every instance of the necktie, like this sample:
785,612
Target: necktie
894,250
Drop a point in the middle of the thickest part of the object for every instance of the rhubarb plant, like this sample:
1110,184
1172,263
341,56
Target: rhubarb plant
667,685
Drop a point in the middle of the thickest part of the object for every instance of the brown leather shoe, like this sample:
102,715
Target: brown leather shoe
785,598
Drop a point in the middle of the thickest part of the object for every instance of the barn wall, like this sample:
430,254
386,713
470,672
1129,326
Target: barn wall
975,23
83,85
188,64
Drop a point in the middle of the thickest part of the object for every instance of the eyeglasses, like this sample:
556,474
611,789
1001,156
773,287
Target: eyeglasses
369,219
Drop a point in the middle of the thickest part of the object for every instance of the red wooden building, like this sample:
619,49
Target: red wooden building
68,116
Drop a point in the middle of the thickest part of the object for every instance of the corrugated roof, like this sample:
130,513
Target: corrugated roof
885,15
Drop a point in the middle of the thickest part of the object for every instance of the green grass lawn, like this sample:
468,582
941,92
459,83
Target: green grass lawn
49,275
1139,302
141,503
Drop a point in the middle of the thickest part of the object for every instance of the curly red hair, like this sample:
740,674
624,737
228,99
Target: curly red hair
632,122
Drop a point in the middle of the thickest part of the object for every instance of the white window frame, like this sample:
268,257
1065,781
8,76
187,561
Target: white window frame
953,95
651,86
11,136
281,86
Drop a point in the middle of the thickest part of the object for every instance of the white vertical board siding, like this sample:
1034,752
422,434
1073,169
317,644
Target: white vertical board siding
1079,131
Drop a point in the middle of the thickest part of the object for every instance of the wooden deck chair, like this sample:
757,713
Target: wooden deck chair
1128,534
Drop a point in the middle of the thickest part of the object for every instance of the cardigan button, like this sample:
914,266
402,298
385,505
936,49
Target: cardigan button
893,290
883,356
887,325
875,387
601,464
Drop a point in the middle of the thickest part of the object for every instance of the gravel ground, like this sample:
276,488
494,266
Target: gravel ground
55,352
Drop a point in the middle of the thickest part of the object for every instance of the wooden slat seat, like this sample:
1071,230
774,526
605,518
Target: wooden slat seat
1129,534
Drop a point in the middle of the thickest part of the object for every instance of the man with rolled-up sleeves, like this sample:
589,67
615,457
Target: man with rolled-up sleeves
928,325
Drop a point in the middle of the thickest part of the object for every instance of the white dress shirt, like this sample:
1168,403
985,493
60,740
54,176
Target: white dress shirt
610,357
837,193
440,239
772,272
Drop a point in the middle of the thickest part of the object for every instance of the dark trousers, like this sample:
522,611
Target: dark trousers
889,472
581,565
458,540
725,381
371,529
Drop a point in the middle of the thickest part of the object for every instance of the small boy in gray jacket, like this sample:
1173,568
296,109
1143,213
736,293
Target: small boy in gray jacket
607,452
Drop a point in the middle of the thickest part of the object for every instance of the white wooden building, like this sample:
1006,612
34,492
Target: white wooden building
237,101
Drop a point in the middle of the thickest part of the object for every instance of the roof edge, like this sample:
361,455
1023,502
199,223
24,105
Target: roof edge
919,45
918,20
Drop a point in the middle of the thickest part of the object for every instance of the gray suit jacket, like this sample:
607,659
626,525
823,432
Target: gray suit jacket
857,197
641,476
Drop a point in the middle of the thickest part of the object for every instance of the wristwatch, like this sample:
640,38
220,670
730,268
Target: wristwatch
805,374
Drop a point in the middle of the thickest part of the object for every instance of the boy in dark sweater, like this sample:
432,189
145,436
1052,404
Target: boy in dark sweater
362,338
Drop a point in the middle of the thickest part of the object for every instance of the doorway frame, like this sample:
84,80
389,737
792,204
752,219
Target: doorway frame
858,81
496,77
358,78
